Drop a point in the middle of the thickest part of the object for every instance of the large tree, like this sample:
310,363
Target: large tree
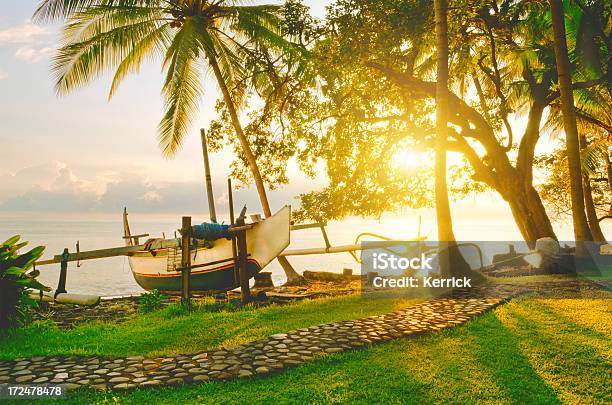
377,67
191,37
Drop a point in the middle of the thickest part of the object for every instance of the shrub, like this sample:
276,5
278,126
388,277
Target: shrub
151,301
15,280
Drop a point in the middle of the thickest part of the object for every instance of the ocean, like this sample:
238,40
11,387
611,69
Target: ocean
112,276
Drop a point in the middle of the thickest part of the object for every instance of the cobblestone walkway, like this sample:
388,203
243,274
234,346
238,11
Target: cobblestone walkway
260,357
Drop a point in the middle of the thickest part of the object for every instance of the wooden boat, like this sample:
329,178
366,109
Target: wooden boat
213,261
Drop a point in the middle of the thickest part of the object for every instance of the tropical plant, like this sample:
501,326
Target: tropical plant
192,38
150,301
15,280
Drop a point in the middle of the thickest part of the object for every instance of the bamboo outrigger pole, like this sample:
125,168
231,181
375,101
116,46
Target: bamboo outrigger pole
209,189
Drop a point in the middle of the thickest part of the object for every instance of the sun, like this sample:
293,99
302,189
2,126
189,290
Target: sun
407,160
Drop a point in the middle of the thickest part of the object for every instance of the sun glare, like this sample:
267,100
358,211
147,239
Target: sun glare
407,160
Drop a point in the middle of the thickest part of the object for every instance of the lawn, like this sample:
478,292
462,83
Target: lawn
172,331
526,351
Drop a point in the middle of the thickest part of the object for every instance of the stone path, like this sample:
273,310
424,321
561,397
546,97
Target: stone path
260,357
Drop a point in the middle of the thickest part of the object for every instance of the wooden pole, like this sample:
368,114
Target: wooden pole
209,189
61,285
230,196
243,263
186,262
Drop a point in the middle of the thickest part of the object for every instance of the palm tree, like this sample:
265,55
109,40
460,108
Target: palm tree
190,36
451,261
581,227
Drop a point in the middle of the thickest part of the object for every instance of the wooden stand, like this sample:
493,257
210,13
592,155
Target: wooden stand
186,262
243,263
239,246
61,285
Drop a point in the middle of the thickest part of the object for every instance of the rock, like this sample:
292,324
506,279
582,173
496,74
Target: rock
245,373
124,386
150,383
201,378
24,378
118,380
262,370
71,386
219,367
333,350
279,336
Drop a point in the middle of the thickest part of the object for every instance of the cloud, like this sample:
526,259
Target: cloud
53,187
50,185
30,54
3,75
26,33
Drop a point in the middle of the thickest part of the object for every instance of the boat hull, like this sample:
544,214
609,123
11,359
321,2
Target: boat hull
213,267
223,279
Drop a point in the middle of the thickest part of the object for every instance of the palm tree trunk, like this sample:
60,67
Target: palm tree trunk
591,214
450,258
581,227
589,205
443,215
293,278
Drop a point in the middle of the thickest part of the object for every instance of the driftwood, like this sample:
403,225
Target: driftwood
327,276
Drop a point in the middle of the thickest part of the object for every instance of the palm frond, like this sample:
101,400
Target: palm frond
79,62
183,87
153,44
60,10
594,154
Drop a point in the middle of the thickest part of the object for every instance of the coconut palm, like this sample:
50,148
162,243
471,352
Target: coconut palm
450,258
445,226
190,37
581,227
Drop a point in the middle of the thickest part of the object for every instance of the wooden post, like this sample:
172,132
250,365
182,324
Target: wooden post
243,263
230,195
186,262
61,285
209,189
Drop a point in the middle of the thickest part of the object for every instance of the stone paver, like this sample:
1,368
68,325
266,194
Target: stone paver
261,357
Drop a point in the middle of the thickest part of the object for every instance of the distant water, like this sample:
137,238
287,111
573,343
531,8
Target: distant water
112,276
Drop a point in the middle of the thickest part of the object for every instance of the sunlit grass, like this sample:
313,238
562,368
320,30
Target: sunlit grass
542,351
171,330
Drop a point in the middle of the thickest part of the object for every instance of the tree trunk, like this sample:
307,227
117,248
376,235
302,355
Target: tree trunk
596,231
581,227
589,205
528,212
293,278
450,258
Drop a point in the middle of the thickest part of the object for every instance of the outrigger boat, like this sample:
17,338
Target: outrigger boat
212,262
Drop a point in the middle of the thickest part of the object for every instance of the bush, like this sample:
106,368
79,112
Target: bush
151,301
15,280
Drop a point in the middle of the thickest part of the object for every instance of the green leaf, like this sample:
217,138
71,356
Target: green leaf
11,241
15,271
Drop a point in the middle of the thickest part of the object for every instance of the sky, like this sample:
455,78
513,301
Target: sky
83,153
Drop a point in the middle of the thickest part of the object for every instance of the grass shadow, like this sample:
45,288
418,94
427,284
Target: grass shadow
500,354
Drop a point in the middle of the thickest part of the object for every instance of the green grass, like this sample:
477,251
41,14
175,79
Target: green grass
171,330
527,351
